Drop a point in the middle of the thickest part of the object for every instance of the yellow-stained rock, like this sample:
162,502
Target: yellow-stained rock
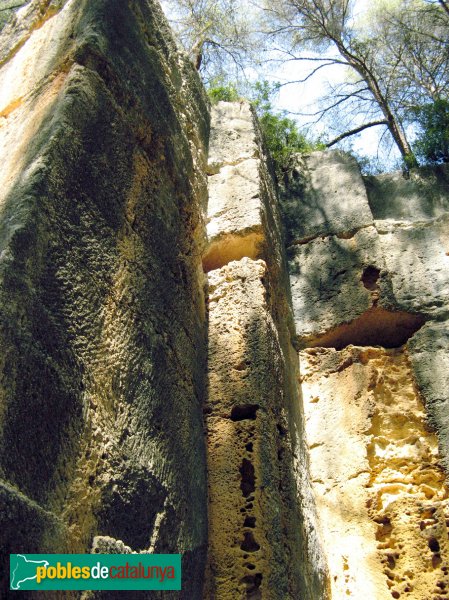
245,525
380,491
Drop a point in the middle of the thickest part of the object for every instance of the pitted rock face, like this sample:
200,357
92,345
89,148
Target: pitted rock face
370,307
146,316
261,511
381,493
103,136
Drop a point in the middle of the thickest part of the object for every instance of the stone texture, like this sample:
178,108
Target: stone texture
380,491
232,136
429,353
384,280
421,197
234,201
376,422
334,489
263,541
335,280
243,413
235,206
326,195
103,134
417,261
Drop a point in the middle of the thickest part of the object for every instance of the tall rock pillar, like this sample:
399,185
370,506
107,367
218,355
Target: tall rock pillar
103,135
262,542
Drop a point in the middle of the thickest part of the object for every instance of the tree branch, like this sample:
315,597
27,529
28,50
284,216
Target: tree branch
354,131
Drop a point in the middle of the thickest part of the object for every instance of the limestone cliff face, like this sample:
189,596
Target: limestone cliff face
103,134
151,396
263,540
370,285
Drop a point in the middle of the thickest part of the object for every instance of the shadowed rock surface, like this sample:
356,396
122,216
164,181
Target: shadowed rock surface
370,284
154,297
103,134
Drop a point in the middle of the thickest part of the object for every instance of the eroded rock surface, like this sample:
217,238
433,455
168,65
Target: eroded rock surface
263,538
381,494
103,133
370,308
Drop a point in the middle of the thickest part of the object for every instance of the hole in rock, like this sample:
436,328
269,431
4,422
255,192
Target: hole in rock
252,583
281,430
370,276
434,545
436,561
250,522
249,544
248,483
244,411
249,446
375,327
391,561
231,247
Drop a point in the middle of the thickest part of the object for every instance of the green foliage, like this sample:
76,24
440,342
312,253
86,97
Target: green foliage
284,140
281,134
432,143
226,92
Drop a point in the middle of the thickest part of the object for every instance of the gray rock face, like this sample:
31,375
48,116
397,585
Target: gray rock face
429,354
417,262
102,143
330,197
232,136
327,280
397,264
423,196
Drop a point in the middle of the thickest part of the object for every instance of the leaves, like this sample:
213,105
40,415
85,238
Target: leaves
432,143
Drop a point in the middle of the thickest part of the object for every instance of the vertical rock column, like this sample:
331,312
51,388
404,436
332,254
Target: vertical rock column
103,132
255,546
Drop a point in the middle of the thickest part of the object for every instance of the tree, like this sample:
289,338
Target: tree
324,24
412,52
394,60
216,34
432,142
281,134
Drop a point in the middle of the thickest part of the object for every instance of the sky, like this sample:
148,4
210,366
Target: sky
304,98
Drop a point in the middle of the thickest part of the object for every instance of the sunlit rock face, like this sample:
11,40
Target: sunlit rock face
151,396
370,285
103,133
380,488
263,540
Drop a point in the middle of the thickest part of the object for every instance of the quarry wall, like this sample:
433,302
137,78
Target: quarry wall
103,143
369,277
191,363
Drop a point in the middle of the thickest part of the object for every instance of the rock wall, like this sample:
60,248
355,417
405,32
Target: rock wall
151,397
103,137
369,273
262,533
